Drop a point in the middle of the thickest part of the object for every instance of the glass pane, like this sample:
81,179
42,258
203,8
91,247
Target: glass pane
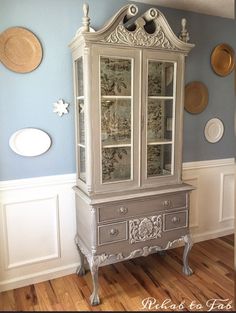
159,160
82,168
80,73
159,121
115,76
116,121
116,164
160,78
81,125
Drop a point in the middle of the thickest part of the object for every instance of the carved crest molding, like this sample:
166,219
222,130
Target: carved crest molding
149,30
139,37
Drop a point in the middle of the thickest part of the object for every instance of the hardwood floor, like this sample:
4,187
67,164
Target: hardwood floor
124,286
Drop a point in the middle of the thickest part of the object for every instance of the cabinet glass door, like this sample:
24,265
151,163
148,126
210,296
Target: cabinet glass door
116,118
160,118
81,149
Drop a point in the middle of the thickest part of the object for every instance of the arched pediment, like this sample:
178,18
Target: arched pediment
149,30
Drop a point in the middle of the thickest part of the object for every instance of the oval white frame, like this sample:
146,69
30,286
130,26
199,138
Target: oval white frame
30,142
218,130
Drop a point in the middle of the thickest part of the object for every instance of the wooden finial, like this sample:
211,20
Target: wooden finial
86,19
86,9
132,11
184,35
183,23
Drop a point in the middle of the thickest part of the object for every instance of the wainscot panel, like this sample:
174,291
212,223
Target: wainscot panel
212,202
37,229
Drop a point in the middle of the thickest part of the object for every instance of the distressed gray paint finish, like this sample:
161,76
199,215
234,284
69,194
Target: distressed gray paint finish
136,214
128,208
112,233
175,220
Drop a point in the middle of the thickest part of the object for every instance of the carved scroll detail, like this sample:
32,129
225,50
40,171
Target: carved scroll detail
146,228
96,261
145,251
139,37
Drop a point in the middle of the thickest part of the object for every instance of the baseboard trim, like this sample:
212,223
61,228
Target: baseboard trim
212,234
38,277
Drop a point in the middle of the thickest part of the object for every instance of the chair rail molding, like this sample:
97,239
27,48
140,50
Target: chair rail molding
33,208
208,163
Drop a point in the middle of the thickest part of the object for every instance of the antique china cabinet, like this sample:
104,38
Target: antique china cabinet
128,83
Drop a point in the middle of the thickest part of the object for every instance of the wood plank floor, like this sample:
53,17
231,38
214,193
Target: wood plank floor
124,286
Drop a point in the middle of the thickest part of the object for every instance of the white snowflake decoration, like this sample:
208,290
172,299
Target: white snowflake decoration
60,107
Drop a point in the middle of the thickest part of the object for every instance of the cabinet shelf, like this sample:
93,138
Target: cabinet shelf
116,146
162,142
115,97
160,97
81,145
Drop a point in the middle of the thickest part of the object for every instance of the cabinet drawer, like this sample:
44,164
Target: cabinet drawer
175,220
130,208
112,233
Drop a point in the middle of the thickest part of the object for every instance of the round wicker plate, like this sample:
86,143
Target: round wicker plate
222,59
196,97
20,50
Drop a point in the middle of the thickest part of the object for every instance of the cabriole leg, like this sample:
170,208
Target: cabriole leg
94,298
188,245
81,269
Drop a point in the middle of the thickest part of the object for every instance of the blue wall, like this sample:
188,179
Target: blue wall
207,32
26,100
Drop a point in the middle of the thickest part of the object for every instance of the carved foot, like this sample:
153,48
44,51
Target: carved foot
188,245
80,270
187,270
94,299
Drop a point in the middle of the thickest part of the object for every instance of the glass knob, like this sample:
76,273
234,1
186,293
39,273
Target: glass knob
167,203
175,219
123,210
114,232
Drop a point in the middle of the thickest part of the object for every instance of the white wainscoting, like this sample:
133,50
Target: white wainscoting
37,229
213,200
37,220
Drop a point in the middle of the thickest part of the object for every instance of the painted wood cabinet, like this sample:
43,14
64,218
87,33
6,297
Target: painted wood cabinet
128,83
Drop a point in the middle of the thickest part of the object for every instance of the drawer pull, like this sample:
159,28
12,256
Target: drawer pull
175,219
167,203
114,232
123,210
